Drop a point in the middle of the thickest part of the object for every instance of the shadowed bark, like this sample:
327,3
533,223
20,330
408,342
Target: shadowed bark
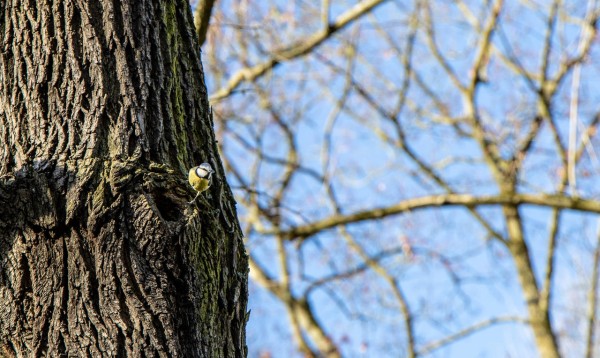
102,111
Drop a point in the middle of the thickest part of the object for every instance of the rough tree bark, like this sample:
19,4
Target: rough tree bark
102,111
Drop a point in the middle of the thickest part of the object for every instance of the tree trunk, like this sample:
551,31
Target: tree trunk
102,111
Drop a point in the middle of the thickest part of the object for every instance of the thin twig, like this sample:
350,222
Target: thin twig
298,49
593,302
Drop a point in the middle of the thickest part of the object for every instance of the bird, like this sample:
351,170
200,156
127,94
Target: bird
200,178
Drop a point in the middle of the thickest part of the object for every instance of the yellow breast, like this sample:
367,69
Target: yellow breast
200,184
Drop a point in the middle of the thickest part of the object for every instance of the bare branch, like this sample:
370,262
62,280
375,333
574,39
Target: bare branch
482,56
546,293
593,302
300,314
539,319
573,114
202,18
298,49
364,266
488,147
434,48
325,9
588,33
463,200
550,27
413,84
468,331
399,293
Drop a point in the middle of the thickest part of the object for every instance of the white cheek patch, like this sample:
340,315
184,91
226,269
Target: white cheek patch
201,172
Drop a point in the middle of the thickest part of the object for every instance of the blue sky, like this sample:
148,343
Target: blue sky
455,276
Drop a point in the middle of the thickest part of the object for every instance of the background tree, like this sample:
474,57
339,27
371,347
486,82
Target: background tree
415,177
103,109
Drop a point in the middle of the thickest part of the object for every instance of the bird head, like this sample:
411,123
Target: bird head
204,170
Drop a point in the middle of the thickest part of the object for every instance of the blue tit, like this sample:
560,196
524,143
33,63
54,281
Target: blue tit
200,178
